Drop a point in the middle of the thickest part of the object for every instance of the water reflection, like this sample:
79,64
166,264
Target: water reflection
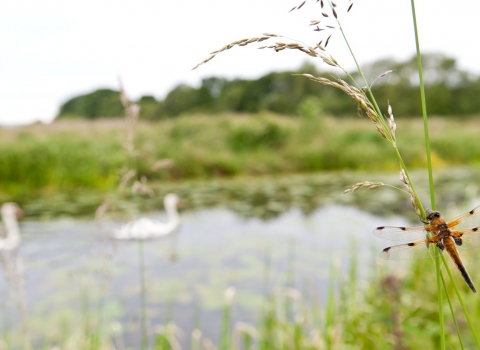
267,197
77,278
74,273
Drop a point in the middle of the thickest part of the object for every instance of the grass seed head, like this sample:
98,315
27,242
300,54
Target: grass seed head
229,294
328,39
413,198
365,184
241,42
359,110
391,122
386,73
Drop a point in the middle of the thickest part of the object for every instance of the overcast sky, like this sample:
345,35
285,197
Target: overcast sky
52,50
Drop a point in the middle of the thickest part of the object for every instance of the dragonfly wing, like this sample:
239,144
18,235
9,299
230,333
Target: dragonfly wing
411,251
466,221
401,233
467,238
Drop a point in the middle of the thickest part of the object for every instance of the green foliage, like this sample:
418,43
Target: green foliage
310,107
100,103
449,91
149,107
70,156
180,99
248,137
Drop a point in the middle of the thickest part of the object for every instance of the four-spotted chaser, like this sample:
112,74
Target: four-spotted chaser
462,232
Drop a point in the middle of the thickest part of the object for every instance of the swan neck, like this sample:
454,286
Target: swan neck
172,213
11,225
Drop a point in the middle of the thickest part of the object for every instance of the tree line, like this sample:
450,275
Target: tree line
450,91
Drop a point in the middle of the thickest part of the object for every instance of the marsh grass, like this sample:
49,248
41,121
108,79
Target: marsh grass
55,160
382,311
14,273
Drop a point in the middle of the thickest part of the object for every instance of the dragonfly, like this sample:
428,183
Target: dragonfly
462,233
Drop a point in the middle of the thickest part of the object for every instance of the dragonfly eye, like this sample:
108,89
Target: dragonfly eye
432,214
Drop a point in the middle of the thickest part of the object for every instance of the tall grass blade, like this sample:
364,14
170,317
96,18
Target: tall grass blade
330,308
452,312
225,335
290,277
424,108
441,321
462,303
143,296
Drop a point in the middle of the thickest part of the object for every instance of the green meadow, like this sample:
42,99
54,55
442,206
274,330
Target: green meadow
69,156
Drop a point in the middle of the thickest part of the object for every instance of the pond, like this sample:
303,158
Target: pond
259,236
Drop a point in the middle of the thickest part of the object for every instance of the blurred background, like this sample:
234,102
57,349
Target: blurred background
101,116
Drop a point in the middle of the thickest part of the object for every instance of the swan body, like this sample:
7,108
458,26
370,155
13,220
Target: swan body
143,228
10,212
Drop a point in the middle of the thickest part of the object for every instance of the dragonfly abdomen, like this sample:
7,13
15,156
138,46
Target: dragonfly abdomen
452,251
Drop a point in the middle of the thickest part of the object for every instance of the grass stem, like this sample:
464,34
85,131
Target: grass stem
460,299
143,297
452,312
441,320
424,108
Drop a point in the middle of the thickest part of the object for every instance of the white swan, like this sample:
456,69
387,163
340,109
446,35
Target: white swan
144,228
11,238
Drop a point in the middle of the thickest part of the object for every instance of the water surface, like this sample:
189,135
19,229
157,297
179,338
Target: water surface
260,237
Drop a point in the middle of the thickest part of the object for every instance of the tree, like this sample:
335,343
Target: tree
100,103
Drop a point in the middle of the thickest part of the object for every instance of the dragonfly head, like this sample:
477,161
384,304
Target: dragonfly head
432,214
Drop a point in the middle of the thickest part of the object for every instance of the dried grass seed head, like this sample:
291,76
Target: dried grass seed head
413,198
365,184
241,42
391,122
352,91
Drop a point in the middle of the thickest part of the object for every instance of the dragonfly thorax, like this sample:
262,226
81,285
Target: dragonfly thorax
431,215
437,226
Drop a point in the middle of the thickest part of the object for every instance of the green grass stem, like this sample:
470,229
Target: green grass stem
143,296
290,277
441,320
225,327
424,108
462,303
330,309
451,311
195,343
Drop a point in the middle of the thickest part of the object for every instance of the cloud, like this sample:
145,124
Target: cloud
55,49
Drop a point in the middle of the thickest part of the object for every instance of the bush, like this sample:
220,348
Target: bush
247,137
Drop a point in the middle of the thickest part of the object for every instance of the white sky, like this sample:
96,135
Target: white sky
52,50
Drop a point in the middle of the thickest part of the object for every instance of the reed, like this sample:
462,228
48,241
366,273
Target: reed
13,265
206,147
358,315
225,341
